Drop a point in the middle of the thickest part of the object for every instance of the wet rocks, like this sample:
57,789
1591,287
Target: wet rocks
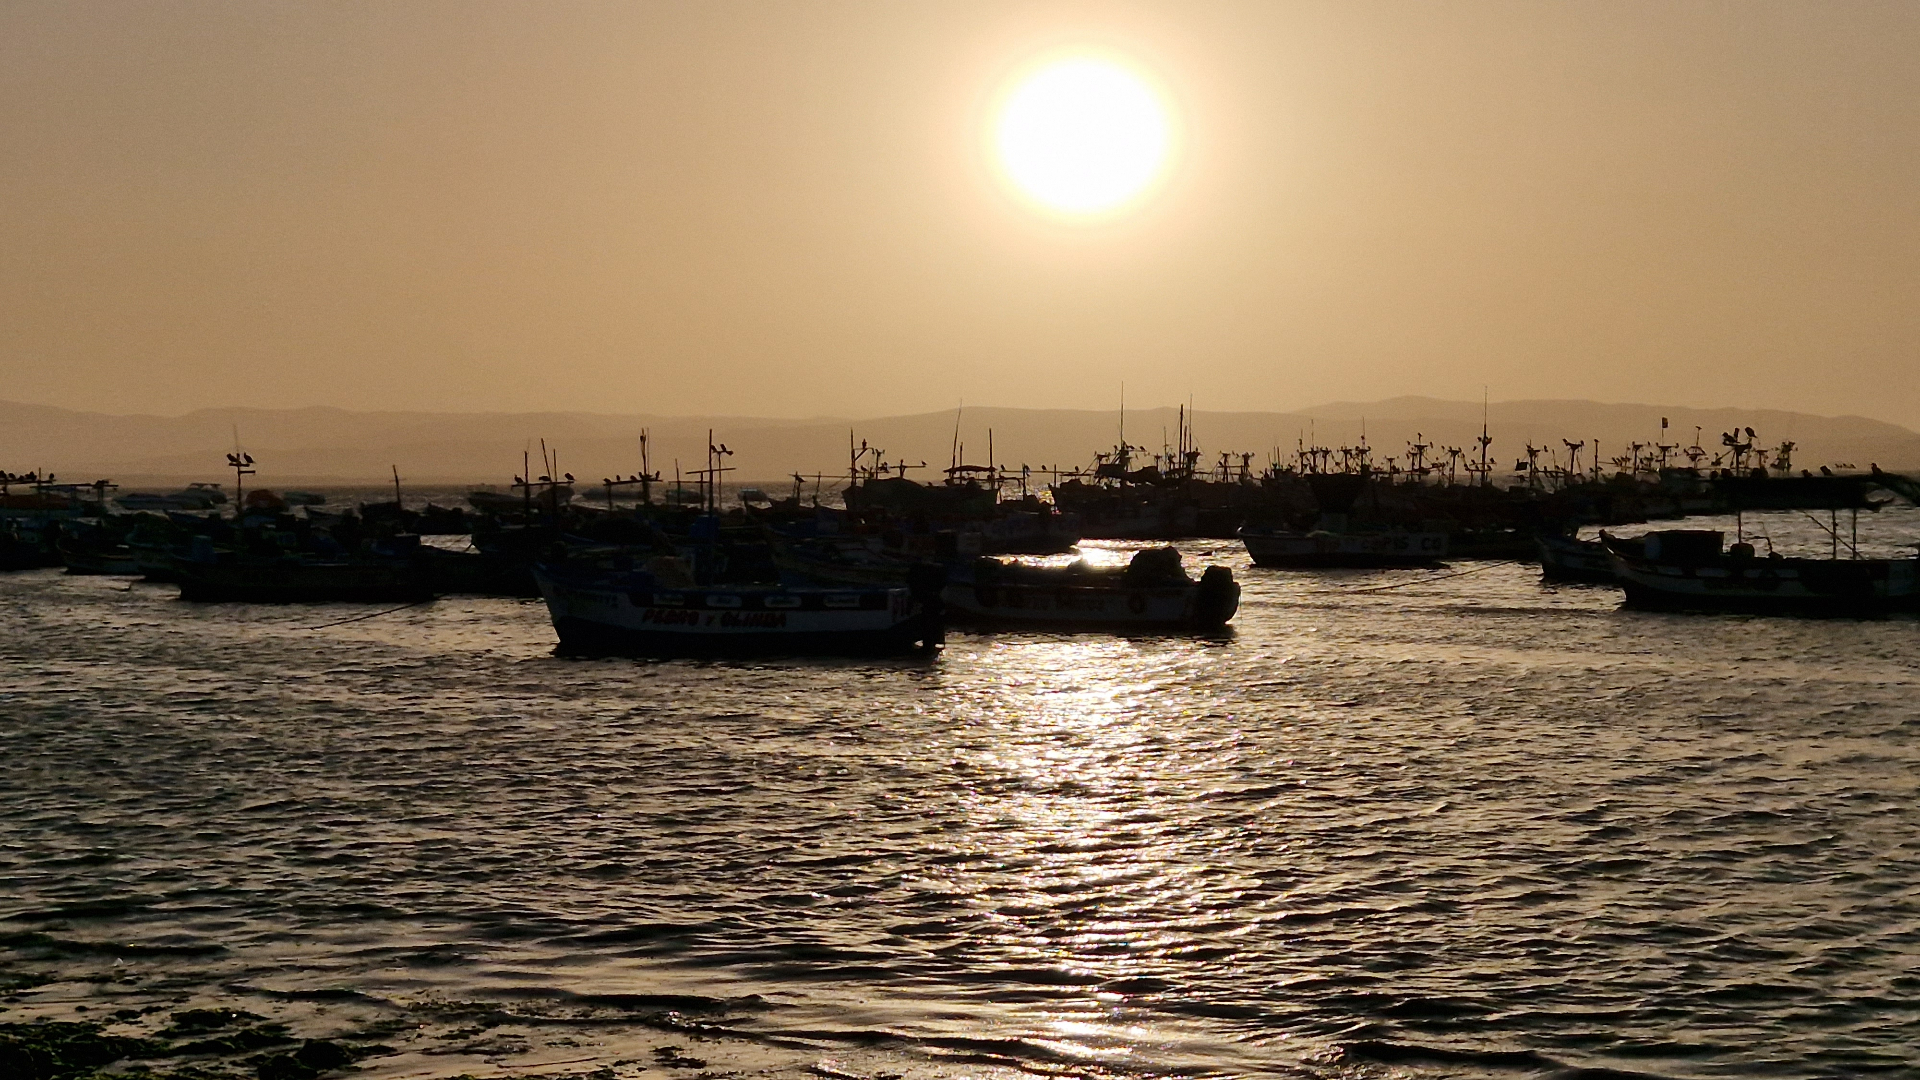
310,1059
673,1057
58,1050
258,1037
197,1021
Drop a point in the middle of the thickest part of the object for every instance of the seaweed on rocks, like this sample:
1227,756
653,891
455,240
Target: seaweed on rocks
674,1057
60,1050
11,981
257,1037
65,1050
310,1059
198,1021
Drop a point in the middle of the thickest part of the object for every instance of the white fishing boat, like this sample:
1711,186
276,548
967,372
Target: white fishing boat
641,612
1328,548
196,496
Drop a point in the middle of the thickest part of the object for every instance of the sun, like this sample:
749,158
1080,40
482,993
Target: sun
1083,136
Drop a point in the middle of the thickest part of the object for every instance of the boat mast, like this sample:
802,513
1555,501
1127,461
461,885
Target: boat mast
1486,472
954,457
242,465
646,471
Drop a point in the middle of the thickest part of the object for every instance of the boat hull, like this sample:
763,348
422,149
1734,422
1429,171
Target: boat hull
118,562
594,618
1818,587
586,637
1330,550
1067,608
1568,559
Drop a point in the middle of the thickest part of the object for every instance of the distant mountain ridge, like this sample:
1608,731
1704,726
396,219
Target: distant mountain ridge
329,445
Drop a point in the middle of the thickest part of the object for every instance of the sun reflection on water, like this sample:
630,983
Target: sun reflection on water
1076,870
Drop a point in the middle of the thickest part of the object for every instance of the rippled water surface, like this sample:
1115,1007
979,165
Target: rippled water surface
1398,823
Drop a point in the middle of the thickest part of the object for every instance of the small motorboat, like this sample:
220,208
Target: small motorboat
263,501
1337,548
197,496
1571,559
97,558
1152,593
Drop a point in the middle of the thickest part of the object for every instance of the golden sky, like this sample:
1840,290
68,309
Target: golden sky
791,208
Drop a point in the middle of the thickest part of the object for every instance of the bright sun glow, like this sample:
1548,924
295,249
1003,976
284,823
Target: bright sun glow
1083,136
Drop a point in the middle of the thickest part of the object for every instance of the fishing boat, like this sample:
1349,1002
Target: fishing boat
22,552
386,572
97,557
1571,559
1325,548
548,500
301,579
1695,570
659,611
196,496
29,543
1152,593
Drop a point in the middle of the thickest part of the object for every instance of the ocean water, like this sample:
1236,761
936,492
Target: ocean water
1398,823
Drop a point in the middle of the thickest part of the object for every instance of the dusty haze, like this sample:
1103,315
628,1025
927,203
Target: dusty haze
783,209
325,445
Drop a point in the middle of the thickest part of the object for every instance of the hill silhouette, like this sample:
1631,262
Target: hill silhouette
328,445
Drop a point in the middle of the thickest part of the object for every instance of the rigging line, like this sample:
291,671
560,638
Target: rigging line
1838,539
1442,577
374,615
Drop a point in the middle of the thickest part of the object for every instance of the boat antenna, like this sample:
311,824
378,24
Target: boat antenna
242,465
239,470
396,486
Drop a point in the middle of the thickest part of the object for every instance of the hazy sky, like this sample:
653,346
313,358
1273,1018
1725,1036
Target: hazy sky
788,208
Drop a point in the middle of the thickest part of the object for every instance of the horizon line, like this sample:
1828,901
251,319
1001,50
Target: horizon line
846,418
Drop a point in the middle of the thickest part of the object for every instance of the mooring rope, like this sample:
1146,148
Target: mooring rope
1442,577
363,618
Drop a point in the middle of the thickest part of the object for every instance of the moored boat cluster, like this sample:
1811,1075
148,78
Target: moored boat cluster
885,563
